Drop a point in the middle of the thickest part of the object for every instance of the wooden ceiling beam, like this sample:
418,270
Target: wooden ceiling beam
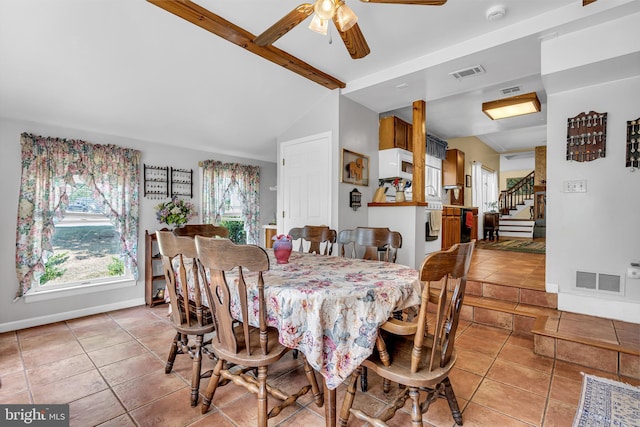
219,26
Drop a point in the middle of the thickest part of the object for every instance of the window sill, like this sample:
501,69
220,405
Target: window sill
49,294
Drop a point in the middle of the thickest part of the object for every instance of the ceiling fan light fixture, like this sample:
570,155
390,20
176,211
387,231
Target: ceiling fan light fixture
345,16
325,9
320,26
511,107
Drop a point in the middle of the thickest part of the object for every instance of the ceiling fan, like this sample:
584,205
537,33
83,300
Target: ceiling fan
342,16
263,44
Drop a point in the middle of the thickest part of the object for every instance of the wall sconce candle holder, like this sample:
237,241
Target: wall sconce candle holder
355,199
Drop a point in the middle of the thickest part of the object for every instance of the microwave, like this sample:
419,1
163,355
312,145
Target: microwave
395,163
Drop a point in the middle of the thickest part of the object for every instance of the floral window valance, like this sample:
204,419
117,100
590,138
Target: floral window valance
48,168
219,179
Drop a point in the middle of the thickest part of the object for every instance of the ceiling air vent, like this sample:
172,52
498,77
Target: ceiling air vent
468,72
510,90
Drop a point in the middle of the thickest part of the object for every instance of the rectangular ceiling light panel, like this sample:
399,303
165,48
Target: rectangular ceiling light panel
511,107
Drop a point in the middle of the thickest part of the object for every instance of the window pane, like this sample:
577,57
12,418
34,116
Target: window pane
86,245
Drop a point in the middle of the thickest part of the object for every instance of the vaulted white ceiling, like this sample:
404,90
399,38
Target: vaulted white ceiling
130,68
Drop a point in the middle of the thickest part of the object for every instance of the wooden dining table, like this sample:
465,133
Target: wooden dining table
329,308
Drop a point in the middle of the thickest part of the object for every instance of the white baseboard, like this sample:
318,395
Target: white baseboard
599,307
59,317
552,288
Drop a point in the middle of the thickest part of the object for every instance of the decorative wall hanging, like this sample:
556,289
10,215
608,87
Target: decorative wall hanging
633,140
156,182
355,168
587,136
355,199
182,182
163,181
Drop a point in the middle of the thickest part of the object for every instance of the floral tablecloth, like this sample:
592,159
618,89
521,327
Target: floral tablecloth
330,307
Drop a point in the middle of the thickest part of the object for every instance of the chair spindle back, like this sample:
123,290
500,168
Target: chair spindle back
222,261
450,269
180,265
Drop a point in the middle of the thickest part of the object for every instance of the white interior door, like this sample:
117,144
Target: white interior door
305,184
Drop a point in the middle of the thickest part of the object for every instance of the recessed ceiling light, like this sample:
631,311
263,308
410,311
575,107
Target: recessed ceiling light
495,13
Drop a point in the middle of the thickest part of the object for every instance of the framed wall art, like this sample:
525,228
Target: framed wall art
354,168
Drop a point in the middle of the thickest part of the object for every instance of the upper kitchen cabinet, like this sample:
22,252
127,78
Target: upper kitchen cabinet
453,169
395,133
453,176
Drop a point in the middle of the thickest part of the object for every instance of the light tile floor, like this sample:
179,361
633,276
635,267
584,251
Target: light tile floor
110,369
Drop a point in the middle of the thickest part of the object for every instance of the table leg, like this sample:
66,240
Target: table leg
329,405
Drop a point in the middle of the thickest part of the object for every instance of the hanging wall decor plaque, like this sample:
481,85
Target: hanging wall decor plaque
633,141
587,136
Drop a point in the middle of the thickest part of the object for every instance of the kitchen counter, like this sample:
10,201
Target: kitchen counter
460,206
394,204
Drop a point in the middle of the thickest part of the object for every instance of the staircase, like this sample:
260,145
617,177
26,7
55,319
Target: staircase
513,201
513,227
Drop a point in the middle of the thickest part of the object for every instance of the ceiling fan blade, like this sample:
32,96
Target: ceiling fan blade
354,41
421,2
284,25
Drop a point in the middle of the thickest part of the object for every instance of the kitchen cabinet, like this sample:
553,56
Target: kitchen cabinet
453,176
395,133
153,271
452,224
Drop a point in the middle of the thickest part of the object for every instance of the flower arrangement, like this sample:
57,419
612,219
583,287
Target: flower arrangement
176,212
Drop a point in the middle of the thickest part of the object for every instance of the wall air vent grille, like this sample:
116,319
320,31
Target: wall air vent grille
598,282
586,280
468,72
511,90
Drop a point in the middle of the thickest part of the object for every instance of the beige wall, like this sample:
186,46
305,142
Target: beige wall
502,182
475,150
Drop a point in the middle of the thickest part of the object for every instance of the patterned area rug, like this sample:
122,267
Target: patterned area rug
606,402
514,245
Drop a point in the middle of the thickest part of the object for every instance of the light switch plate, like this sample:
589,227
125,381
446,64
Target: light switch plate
577,186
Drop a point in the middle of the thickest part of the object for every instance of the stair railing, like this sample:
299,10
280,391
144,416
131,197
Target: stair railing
516,195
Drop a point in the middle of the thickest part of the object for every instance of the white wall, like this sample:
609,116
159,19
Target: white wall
16,315
359,133
596,231
353,127
321,117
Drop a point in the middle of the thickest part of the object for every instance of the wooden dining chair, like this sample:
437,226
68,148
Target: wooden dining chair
347,243
239,343
317,236
189,314
414,358
207,230
372,243
378,243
